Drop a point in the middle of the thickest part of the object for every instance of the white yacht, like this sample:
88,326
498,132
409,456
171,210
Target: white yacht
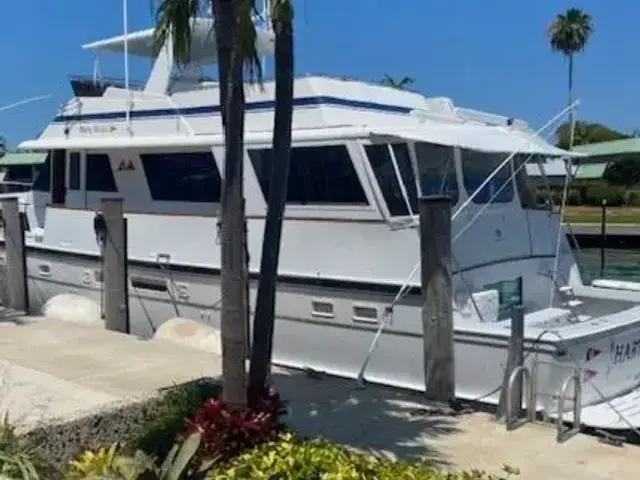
361,153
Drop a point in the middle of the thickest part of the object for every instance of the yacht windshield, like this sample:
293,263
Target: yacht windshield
437,170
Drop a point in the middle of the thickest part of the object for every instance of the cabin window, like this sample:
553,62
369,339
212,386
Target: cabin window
19,173
385,173
322,175
437,170
526,192
99,173
74,171
58,177
182,177
42,176
477,166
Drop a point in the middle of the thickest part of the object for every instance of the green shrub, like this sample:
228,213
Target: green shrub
633,198
615,196
157,436
110,464
291,458
17,462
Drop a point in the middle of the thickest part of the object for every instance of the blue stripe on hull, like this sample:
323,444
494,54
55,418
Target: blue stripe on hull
252,106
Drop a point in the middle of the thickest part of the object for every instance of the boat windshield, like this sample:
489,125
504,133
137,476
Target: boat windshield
392,166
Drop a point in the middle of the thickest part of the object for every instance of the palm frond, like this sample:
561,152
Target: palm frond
247,36
570,31
174,20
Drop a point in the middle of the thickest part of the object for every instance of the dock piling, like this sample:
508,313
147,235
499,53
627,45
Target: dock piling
16,261
437,310
115,266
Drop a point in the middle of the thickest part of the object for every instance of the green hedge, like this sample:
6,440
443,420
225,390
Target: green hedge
293,458
592,195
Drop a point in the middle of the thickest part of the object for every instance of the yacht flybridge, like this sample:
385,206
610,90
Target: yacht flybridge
362,153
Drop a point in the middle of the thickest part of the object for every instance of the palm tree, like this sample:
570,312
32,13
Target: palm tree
235,44
264,319
401,84
569,34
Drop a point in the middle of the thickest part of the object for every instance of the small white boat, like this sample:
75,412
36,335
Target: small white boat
361,153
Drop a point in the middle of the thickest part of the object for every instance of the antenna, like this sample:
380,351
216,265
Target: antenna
266,18
125,22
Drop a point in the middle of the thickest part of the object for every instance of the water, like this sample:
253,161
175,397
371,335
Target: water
620,264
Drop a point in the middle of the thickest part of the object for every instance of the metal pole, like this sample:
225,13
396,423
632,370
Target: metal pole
603,238
437,312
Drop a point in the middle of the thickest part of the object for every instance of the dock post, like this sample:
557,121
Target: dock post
115,267
515,359
437,309
16,260
603,238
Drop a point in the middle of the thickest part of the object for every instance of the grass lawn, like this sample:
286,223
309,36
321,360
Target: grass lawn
619,215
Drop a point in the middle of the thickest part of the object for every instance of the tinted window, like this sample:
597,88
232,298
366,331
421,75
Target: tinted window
523,182
385,173
318,175
99,173
43,176
74,171
182,177
477,166
437,169
19,173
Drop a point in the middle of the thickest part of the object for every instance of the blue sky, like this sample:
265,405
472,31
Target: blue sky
490,55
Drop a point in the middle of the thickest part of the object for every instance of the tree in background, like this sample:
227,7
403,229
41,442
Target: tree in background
624,171
585,133
569,34
3,146
400,83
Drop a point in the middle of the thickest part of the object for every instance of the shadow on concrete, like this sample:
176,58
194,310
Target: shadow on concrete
393,422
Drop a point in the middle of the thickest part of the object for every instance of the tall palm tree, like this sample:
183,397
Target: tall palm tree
235,44
264,319
568,34
401,83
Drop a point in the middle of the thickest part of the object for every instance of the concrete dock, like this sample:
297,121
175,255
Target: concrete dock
60,370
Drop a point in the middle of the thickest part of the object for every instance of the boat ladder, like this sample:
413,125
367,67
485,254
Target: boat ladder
524,378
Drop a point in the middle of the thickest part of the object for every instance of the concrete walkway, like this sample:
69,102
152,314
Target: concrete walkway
57,370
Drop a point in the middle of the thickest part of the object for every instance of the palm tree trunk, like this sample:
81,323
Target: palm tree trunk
264,319
233,275
571,112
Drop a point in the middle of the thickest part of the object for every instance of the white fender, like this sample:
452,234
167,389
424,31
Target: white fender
72,308
191,334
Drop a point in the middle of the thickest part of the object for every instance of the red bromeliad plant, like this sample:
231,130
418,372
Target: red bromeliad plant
227,432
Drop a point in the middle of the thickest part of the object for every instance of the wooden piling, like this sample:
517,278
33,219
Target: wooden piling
515,359
116,299
437,309
16,262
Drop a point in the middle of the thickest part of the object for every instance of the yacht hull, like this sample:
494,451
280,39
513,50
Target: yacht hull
338,343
